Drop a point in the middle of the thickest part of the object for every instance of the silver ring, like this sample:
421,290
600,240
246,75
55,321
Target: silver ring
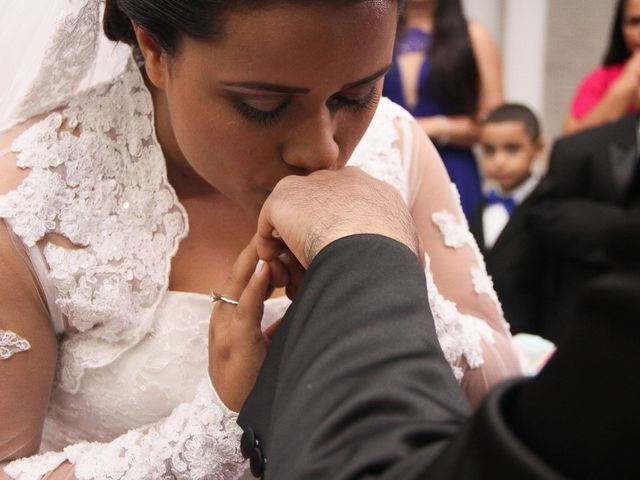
218,297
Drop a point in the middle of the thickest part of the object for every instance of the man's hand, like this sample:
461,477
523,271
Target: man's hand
305,214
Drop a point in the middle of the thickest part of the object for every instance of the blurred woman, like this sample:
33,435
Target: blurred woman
612,89
447,73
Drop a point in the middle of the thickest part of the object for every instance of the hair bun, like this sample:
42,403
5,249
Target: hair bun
117,26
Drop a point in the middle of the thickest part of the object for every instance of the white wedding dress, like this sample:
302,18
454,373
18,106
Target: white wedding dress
131,398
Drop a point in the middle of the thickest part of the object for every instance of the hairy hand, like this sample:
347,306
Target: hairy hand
305,214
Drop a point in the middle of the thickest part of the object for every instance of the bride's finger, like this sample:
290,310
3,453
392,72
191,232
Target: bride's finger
241,272
248,313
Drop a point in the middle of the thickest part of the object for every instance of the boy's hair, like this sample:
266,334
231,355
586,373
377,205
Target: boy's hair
515,112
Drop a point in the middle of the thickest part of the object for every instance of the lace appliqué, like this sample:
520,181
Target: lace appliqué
11,343
36,467
66,62
482,284
98,178
199,440
457,235
378,153
460,335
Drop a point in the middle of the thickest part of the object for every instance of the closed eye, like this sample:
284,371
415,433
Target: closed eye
267,109
363,102
260,110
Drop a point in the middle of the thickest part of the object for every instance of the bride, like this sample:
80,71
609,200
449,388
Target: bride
125,204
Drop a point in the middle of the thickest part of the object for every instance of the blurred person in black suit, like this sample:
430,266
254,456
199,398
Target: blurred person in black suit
591,184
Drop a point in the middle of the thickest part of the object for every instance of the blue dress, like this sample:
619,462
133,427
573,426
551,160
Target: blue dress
459,162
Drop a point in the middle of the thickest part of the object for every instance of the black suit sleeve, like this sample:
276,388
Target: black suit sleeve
355,385
362,378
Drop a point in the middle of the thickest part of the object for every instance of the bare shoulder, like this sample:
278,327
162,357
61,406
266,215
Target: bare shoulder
10,175
479,35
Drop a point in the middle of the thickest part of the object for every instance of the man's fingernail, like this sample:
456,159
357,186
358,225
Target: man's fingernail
259,267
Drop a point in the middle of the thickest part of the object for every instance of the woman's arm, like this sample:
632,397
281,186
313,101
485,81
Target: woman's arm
459,131
612,104
25,377
490,68
469,319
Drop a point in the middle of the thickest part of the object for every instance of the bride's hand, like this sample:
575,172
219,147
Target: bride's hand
237,345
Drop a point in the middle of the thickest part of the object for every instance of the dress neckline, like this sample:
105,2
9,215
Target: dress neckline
413,40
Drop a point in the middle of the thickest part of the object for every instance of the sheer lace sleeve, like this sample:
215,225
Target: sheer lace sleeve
28,347
198,440
472,331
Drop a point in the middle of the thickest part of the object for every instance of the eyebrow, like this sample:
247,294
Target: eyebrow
272,87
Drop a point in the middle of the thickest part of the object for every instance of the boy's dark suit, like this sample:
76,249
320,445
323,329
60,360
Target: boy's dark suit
355,385
586,189
515,264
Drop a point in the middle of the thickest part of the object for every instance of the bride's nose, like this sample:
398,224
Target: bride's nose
312,145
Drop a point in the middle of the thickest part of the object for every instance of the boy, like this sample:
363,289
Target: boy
510,143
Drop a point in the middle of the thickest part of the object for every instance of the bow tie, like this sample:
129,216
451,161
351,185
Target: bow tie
494,197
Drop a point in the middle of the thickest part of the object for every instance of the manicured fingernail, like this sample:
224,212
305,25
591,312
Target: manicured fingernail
284,258
275,234
259,267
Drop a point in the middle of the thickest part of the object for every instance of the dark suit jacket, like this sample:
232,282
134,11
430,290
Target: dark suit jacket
355,386
585,191
516,265
365,298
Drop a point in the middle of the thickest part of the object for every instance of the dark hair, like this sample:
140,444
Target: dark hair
515,112
453,69
617,51
169,20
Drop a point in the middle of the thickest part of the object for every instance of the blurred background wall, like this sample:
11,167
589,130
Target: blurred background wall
547,47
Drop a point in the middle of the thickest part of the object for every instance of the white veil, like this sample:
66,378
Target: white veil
49,50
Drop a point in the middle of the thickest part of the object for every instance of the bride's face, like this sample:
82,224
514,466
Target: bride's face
289,89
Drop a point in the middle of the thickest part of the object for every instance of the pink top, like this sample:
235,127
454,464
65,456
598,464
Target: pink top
593,88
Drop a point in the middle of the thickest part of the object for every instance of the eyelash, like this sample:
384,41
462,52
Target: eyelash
265,118
364,103
260,117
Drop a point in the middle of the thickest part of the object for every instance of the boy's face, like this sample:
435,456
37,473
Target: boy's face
507,153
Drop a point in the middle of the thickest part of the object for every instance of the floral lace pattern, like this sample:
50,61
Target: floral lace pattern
69,57
378,152
119,209
457,235
199,440
459,335
35,468
11,343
